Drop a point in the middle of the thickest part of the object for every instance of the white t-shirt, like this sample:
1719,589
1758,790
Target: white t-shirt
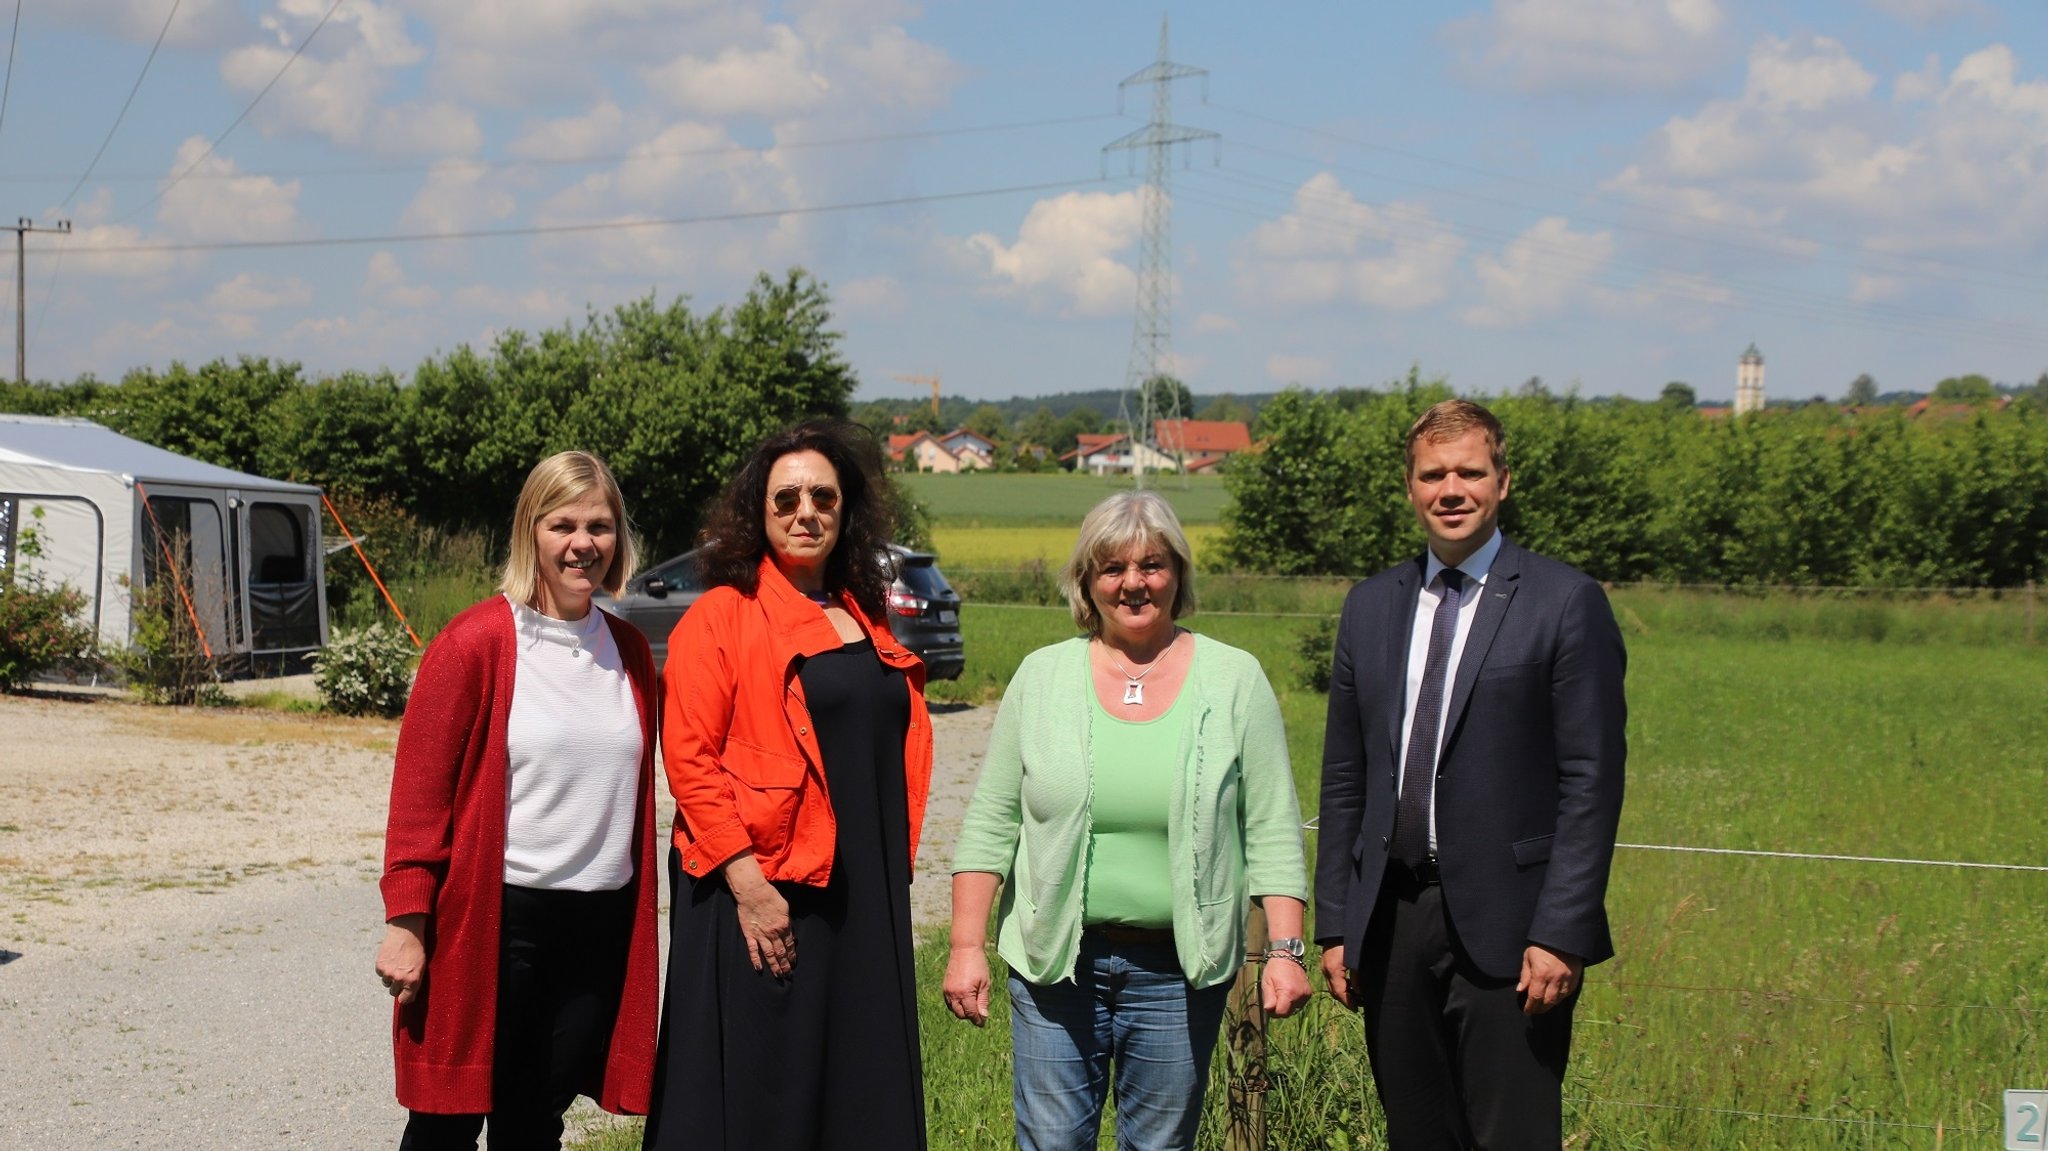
574,742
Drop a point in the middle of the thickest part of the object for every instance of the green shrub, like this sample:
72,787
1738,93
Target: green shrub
1314,646
167,660
39,624
365,672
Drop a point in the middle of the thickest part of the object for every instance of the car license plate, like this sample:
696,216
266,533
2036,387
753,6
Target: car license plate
948,615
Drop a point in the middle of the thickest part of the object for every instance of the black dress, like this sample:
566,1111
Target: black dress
827,1058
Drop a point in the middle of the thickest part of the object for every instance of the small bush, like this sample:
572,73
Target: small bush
365,672
167,660
1313,648
40,628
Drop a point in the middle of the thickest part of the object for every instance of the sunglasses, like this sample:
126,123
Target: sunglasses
785,501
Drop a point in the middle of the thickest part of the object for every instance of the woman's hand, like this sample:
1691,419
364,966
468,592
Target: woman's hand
1283,986
967,983
402,957
764,917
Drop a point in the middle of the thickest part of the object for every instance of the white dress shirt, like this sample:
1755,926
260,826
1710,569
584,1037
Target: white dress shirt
1475,569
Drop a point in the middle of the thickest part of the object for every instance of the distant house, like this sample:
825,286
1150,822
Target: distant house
956,451
971,449
1108,455
1204,444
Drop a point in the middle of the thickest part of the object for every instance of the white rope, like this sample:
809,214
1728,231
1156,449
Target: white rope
1835,858
1733,1113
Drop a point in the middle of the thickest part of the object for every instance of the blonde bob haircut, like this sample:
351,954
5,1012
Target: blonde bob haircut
564,478
1111,528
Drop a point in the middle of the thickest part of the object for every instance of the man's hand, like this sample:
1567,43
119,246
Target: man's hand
1548,978
1337,977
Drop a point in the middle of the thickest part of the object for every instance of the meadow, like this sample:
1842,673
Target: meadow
1050,499
1756,1001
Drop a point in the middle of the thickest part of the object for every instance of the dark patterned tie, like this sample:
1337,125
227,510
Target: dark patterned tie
1418,772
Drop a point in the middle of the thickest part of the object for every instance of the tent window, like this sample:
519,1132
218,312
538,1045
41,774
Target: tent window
277,544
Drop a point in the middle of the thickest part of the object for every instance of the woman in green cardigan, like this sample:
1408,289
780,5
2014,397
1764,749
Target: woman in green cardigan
1135,799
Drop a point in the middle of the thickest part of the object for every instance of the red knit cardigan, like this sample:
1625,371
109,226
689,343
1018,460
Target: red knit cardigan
444,856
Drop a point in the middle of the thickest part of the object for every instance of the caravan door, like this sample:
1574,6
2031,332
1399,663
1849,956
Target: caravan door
186,546
284,601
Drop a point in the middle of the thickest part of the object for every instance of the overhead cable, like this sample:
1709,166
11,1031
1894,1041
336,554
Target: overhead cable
229,130
596,225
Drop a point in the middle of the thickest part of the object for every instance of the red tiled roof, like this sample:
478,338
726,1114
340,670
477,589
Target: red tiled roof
1205,436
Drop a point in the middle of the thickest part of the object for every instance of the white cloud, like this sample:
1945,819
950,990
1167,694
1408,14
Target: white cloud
1284,368
457,197
596,132
1867,288
195,22
385,282
216,202
1212,323
252,292
1810,145
534,307
1333,249
333,89
1592,47
872,296
1065,254
773,80
1542,272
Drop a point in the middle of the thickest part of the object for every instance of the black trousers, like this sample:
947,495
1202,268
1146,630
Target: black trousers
561,969
1456,1063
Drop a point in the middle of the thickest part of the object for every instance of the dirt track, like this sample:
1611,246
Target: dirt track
188,909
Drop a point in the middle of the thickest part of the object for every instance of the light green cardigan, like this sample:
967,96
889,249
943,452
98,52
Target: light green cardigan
1233,830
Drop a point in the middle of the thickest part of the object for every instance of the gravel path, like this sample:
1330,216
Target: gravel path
188,909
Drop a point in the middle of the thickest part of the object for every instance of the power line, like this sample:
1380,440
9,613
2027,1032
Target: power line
1689,285
1669,213
125,104
584,160
596,225
229,130
7,86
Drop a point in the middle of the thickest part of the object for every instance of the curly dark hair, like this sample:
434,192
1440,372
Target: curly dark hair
735,537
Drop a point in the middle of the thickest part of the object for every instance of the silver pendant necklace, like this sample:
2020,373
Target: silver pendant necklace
1134,685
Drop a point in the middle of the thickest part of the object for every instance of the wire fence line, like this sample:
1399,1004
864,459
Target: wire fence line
1736,1113
1962,592
1833,858
1791,997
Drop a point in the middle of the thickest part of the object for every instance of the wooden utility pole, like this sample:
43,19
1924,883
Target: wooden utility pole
931,382
21,228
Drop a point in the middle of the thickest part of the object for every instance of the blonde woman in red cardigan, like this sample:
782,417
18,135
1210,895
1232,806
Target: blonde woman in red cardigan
519,881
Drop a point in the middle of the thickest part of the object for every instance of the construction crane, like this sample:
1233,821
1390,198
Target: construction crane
931,382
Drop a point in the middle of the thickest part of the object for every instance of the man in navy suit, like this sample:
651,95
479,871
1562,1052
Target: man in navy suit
1472,782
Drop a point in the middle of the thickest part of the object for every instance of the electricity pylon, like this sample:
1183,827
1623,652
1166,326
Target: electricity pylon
1152,333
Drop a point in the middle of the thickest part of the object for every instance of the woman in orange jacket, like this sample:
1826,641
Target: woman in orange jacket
799,751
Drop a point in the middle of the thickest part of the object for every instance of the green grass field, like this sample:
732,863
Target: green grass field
1756,1002
1011,499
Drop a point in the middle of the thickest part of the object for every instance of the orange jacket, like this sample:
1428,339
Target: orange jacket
737,740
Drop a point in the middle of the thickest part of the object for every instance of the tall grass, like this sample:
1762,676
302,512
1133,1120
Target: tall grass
993,499
1755,1002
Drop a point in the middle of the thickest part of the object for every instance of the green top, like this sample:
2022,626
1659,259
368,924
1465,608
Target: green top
1129,880
1233,827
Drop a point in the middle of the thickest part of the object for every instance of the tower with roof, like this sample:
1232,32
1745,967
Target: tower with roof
1749,382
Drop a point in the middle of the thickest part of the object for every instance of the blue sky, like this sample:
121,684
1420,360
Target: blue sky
1607,193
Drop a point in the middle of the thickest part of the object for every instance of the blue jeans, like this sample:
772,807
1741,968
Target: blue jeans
1129,1004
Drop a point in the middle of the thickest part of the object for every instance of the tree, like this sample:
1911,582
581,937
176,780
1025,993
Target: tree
1679,396
1169,397
1226,408
1970,389
1862,392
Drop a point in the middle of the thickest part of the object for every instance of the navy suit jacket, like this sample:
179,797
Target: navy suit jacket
1529,782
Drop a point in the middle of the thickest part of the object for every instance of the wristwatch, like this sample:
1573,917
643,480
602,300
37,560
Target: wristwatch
1293,949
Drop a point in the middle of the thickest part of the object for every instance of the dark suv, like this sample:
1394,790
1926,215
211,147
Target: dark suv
924,610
